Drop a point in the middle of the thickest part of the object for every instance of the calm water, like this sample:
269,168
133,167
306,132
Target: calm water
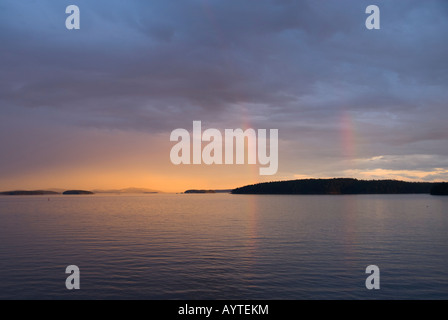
224,246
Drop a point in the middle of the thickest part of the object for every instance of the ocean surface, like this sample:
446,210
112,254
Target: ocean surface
222,246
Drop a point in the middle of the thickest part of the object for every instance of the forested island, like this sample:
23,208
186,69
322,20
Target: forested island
339,186
440,189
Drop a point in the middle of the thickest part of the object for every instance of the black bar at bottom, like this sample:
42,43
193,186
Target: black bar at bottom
232,309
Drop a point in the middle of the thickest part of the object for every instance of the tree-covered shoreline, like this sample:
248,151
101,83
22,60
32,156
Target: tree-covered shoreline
337,186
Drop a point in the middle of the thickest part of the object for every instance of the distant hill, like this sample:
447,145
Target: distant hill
76,192
127,190
28,193
336,186
440,189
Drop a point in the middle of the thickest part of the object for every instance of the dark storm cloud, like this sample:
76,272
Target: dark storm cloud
292,65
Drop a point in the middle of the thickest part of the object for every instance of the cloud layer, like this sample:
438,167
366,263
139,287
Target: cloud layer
338,93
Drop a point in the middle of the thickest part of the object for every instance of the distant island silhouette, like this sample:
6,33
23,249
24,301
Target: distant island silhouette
76,192
42,192
28,193
127,190
343,186
200,191
208,191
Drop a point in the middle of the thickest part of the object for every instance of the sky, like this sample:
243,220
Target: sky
94,108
